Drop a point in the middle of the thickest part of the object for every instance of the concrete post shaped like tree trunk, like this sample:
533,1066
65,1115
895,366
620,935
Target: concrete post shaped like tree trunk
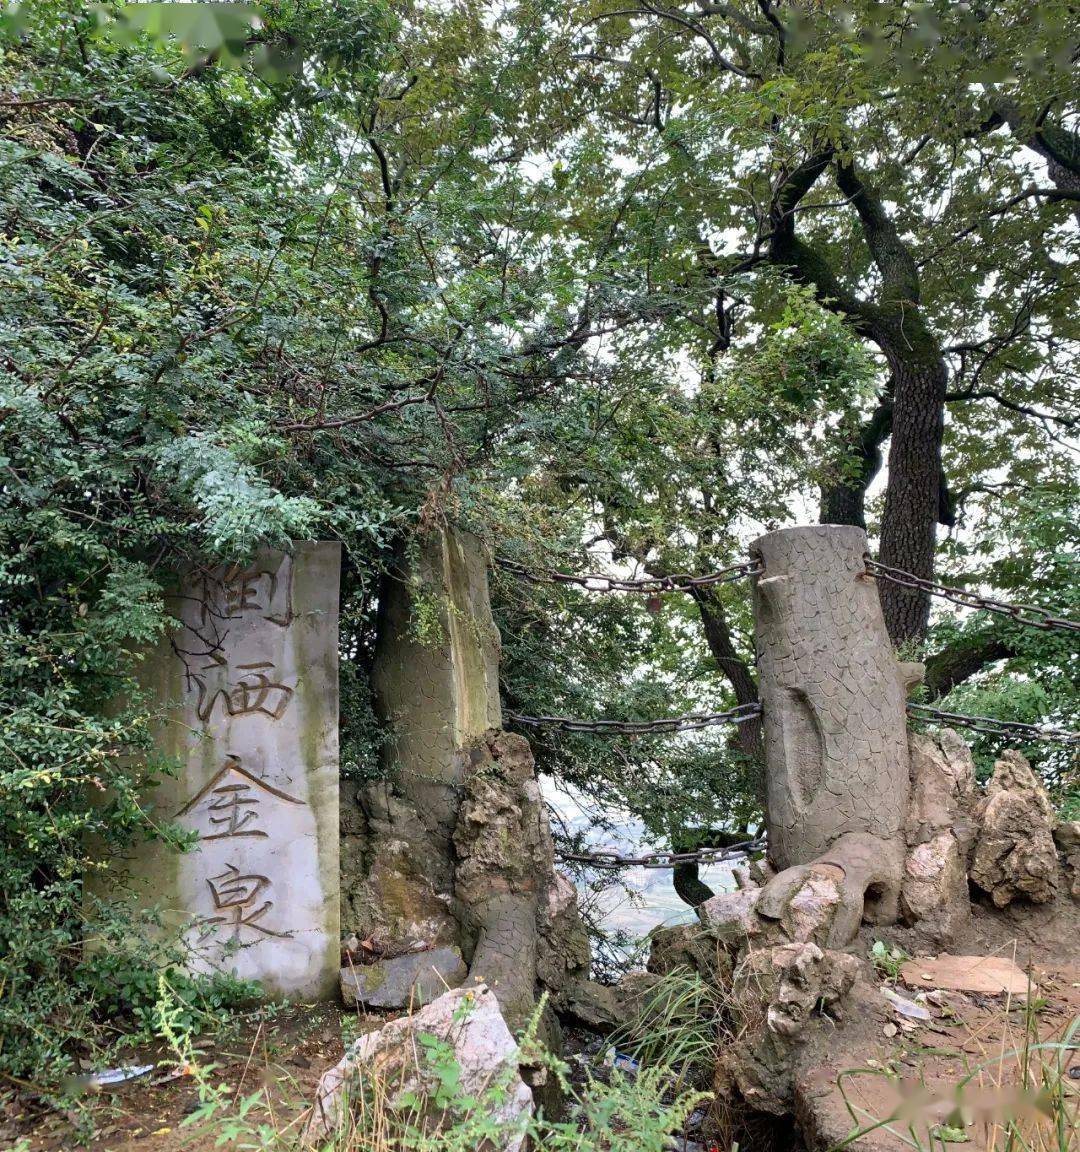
835,728
452,847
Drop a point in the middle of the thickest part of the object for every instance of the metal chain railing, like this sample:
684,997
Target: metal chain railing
689,722
994,727
1031,615
676,582
693,721
665,859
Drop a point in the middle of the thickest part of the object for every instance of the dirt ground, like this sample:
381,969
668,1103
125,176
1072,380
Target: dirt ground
280,1057
961,1072
956,1068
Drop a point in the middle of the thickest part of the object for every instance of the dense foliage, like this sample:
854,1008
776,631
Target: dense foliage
606,284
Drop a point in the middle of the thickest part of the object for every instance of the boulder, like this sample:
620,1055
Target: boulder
812,909
1015,854
1067,839
562,952
603,1008
690,948
382,1067
403,981
730,916
806,903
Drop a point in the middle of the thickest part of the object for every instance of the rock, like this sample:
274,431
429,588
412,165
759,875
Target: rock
692,948
503,872
811,911
1012,773
396,885
1067,839
392,1060
602,1007
856,880
1015,855
403,981
943,789
730,916
743,877
562,952
934,890
592,1006
940,831
775,995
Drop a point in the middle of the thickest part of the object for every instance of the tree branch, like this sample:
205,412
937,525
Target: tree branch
962,660
1022,409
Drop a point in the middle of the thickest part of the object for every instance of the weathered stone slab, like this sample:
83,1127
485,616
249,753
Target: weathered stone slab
250,687
991,975
403,981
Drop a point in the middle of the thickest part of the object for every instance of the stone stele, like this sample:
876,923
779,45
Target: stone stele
250,688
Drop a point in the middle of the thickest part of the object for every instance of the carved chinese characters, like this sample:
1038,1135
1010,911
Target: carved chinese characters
250,681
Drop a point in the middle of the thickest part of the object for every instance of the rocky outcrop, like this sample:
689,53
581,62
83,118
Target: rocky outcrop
940,830
382,1068
784,978
1015,854
779,998
820,903
689,948
935,890
604,1008
519,918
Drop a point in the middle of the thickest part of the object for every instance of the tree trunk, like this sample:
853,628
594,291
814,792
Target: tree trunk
845,501
963,659
686,879
912,497
835,723
734,667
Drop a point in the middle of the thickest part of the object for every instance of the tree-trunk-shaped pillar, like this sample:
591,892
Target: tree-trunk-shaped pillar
835,727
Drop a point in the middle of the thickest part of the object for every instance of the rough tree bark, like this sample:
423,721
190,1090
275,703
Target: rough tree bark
835,724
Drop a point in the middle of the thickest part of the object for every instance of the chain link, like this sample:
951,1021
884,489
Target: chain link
665,859
1028,614
994,727
689,722
676,582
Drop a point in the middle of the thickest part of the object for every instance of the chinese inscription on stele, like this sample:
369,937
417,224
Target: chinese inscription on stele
251,680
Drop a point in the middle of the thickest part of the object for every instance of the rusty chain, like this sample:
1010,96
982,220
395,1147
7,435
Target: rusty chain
689,722
664,859
994,727
693,721
594,582
1029,614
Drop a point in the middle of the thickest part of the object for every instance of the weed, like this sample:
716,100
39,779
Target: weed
888,960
